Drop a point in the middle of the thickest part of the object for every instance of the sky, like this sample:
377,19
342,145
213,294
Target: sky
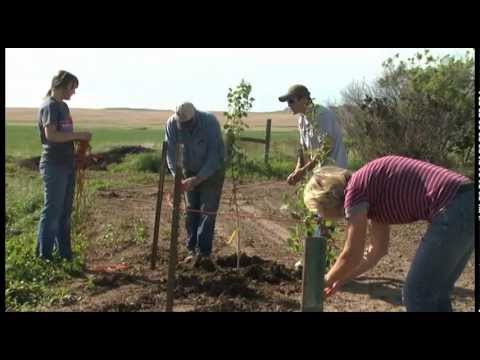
163,78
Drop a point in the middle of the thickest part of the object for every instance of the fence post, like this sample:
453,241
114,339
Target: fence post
267,139
158,210
172,262
313,273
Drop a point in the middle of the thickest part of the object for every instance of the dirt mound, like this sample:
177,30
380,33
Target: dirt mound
205,264
231,289
113,280
273,273
120,307
96,161
231,260
256,268
30,163
215,284
224,304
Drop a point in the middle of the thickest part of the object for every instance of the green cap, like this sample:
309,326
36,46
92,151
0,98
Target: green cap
298,91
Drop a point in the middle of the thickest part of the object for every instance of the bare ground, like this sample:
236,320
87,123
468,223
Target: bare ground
266,281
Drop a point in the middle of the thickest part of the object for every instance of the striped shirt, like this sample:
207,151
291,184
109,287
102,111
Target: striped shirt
399,190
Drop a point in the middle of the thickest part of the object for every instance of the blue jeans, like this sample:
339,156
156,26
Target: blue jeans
441,257
54,225
201,227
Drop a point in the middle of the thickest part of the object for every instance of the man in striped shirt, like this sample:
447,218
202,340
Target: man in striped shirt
399,190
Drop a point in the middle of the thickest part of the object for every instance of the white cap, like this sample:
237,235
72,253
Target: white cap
185,112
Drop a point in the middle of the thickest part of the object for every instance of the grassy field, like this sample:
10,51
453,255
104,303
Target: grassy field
23,140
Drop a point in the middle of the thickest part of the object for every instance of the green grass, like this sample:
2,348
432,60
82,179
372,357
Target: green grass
24,141
146,162
31,282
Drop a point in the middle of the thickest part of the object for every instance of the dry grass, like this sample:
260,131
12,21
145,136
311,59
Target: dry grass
90,118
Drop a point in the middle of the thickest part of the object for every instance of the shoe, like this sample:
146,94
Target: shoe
299,265
190,257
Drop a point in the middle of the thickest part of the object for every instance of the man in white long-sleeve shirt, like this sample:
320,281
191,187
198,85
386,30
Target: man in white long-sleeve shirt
322,121
314,122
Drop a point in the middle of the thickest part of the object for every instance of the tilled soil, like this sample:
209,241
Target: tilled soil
118,275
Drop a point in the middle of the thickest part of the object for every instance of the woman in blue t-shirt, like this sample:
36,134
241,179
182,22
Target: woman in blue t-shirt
57,166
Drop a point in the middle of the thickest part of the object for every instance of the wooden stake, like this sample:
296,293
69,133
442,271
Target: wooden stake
172,263
158,210
267,139
238,235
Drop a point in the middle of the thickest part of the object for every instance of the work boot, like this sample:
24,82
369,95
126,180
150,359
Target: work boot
299,265
190,257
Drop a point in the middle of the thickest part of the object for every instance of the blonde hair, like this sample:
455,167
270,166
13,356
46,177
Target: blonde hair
62,80
326,188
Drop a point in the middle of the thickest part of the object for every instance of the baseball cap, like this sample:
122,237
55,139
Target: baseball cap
184,112
297,91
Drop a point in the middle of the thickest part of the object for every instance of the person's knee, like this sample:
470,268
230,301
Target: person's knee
54,205
50,218
209,220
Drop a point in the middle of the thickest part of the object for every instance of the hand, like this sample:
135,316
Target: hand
189,184
332,289
295,177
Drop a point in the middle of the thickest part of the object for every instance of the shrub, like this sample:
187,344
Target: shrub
421,108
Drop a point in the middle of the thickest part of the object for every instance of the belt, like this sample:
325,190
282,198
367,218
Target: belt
464,188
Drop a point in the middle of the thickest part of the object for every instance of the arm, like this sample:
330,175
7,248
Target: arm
308,166
351,255
378,248
50,118
171,139
51,134
300,171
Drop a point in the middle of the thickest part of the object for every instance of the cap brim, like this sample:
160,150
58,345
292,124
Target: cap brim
180,124
284,98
